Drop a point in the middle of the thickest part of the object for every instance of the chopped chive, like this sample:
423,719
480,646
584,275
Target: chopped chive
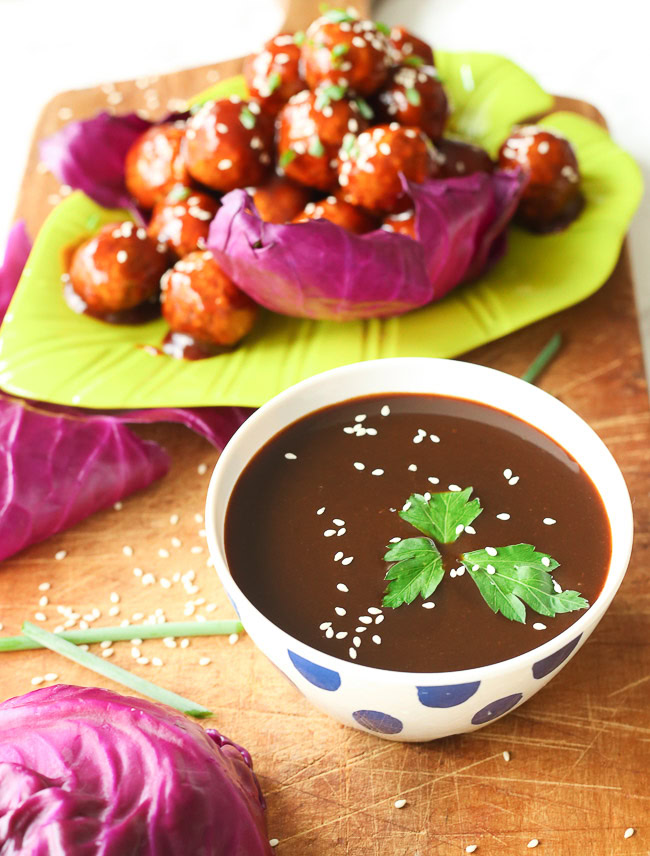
382,28
299,37
273,81
334,91
246,118
131,631
336,16
287,157
364,108
316,148
413,97
413,60
114,673
542,360
340,49
178,193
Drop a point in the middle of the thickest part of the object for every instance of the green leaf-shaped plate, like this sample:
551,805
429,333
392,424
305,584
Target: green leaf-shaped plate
49,353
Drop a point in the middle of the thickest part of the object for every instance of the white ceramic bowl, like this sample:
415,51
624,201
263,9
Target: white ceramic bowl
407,705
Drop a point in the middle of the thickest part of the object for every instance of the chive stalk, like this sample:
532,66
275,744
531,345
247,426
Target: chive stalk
114,673
542,360
130,631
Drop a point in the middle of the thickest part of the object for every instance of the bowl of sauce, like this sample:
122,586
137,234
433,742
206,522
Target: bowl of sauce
419,545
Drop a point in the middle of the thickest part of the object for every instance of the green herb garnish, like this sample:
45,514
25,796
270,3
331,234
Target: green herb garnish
272,82
364,108
299,37
382,28
413,60
131,631
178,193
114,673
544,357
247,118
418,570
508,578
316,148
336,16
517,575
286,157
413,97
444,516
340,49
327,94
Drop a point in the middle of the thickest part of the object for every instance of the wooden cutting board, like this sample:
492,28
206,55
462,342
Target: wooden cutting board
580,749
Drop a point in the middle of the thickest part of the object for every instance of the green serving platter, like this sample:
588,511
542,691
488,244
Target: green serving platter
48,352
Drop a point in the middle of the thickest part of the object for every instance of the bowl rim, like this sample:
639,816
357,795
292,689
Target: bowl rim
586,622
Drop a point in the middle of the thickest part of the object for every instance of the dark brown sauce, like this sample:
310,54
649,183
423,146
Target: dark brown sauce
140,314
278,555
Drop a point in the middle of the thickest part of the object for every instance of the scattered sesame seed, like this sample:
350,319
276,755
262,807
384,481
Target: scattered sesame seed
418,438
356,641
196,549
348,560
60,554
539,626
503,516
198,518
460,528
338,522
274,842
143,661
338,556
546,561
471,848
543,147
164,554
329,633
329,532
434,438
173,519
376,639
339,610
549,521
202,469
128,551
532,843
629,832
108,652
513,480
137,572
353,653
428,605
51,676
454,488
321,510
366,619
359,466
400,803
290,456
341,531
406,505
490,569
342,634
184,643
377,472
360,417
395,540
176,542
379,619
121,256
385,410
225,163
413,468
156,661
342,587
433,480
490,551
373,610
40,616
204,661
506,755
36,681
470,530
45,586
43,601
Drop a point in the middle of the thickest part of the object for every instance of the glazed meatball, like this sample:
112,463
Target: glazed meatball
117,269
403,223
410,50
414,96
340,212
272,75
341,49
456,158
552,197
279,200
370,167
311,128
198,299
228,144
155,163
182,220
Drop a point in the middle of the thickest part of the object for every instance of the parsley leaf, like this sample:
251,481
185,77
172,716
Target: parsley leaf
417,571
519,575
444,515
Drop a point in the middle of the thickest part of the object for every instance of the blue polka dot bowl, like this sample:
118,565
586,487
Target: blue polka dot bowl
412,706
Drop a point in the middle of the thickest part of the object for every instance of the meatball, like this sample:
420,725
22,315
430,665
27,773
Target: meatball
279,200
552,197
341,49
182,220
117,268
370,167
414,96
340,212
155,163
457,158
403,223
198,299
409,50
228,144
272,74
311,128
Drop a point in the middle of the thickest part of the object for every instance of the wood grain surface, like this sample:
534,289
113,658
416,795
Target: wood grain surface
580,750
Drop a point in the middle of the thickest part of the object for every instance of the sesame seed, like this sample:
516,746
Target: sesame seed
274,842
325,625
546,561
137,572
342,587
507,473
339,610
434,438
549,521
329,633
342,634
128,551
385,410
373,610
428,605
202,469
557,587
470,530
36,681
60,554
45,586
490,551
43,601
321,510
348,560
490,569
379,619
395,540
204,661
360,629
400,803
329,532
413,468
532,843
460,528
338,556
543,147
376,639
40,616
506,755
418,438
366,619
539,626
454,488
503,516
513,480
377,472
225,163
176,542
359,466
233,638
108,652
51,676
471,848
164,554
341,531
406,505
121,256
143,661
433,480
184,643
290,456
356,641
353,653
629,832
338,522
196,549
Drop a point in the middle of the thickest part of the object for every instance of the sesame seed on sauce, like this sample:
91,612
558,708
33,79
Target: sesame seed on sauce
539,626
549,521
348,560
321,510
513,481
507,473
376,639
339,610
503,516
454,488
290,456
365,619
377,472
341,634
325,625
342,587
341,531
121,256
224,163
413,468
353,653
329,532
359,466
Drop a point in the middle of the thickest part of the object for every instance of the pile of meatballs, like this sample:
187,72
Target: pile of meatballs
336,116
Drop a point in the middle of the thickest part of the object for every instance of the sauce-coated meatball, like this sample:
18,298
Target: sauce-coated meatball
273,75
279,200
228,144
552,197
117,269
198,299
370,167
342,49
409,48
403,223
155,163
414,96
456,158
340,212
310,131
182,220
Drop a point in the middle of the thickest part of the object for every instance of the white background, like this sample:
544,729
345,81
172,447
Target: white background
591,49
